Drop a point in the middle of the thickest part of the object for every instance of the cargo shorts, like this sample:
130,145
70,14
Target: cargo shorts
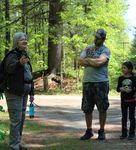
95,93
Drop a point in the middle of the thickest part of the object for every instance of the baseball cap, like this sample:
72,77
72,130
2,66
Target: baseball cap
100,33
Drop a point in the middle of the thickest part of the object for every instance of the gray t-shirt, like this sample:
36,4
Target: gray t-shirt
96,74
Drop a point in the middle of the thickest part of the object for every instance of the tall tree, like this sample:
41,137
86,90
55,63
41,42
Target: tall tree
24,15
55,32
7,28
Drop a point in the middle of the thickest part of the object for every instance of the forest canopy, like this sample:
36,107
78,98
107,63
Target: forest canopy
58,30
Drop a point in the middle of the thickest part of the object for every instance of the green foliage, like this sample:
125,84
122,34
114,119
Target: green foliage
80,20
133,50
4,125
2,135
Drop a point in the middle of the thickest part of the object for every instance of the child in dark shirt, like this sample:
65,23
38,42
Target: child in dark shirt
127,87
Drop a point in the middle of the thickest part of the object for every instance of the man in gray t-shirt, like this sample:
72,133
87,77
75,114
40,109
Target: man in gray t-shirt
95,83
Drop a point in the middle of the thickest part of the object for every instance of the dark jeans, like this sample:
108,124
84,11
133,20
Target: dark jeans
125,107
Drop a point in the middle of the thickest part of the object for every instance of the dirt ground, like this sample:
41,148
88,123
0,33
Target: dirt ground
62,115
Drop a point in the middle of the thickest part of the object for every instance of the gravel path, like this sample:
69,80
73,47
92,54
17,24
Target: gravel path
64,112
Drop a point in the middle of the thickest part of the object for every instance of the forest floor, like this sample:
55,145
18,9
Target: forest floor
60,124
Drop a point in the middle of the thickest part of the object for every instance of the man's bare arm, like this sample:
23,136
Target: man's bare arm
95,62
82,62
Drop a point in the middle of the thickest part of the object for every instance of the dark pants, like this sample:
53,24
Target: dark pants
125,107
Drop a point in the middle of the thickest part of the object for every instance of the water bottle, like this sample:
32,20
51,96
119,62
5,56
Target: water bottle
31,110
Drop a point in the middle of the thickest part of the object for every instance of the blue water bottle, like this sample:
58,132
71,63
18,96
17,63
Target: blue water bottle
31,110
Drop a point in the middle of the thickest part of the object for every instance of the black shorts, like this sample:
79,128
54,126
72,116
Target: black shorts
95,93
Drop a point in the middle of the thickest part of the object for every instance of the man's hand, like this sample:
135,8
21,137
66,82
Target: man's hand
94,62
79,61
82,62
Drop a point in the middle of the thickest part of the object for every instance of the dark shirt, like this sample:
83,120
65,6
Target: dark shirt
16,74
129,83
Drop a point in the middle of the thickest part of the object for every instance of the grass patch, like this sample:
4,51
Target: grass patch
57,140
4,121
4,130
4,125
33,126
3,145
68,142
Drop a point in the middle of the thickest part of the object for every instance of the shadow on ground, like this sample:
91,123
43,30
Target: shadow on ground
59,127
64,126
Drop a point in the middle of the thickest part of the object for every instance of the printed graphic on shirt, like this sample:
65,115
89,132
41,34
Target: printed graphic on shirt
92,53
127,84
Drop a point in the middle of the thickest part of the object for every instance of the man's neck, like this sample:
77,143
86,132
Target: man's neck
98,46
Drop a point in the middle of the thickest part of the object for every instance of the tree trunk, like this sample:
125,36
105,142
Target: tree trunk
55,31
7,29
24,15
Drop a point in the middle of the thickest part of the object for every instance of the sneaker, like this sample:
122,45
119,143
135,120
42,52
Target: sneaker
123,136
101,134
131,136
88,134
